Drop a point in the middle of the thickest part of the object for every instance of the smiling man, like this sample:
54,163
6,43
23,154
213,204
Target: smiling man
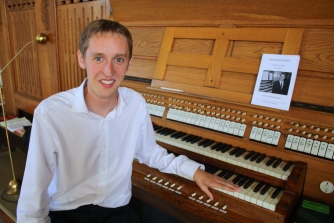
84,140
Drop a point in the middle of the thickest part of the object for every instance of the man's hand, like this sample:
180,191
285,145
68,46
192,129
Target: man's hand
206,180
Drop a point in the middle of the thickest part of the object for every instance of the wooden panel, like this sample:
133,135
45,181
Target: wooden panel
317,50
221,58
7,79
72,18
206,11
25,66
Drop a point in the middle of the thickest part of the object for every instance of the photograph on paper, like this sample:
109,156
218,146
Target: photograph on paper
275,81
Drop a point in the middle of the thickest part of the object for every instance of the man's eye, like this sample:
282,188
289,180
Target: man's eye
119,60
98,58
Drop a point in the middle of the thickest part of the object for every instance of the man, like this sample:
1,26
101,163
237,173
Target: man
83,141
281,86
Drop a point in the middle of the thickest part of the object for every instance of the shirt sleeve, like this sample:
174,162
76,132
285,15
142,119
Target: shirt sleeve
33,205
153,155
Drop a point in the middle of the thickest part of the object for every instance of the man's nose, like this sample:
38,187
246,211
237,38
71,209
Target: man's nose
108,69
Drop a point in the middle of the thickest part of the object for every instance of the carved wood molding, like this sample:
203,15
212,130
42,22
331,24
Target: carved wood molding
67,2
45,14
18,5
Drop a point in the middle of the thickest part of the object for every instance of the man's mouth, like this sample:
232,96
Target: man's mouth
107,82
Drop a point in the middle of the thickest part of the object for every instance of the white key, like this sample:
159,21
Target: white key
257,166
255,197
262,197
287,173
243,191
225,156
274,202
251,192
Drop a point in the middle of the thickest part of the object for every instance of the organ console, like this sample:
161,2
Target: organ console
196,65
199,100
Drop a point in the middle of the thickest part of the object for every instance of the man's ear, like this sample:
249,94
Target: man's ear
81,60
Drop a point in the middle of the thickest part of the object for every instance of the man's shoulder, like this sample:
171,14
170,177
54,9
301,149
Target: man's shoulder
57,100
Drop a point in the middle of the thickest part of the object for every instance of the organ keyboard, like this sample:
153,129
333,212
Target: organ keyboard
221,151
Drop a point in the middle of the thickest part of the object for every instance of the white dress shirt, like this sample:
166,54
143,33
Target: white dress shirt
76,157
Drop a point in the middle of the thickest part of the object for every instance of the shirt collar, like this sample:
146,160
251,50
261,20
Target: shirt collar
79,104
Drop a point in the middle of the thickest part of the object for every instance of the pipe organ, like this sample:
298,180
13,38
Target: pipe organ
196,65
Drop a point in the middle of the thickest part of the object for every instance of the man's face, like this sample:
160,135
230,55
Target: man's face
106,62
282,77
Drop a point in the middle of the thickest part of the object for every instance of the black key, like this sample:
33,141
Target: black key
258,187
236,179
242,181
175,134
240,152
276,192
187,137
191,138
214,170
216,145
249,155
265,189
249,182
287,166
210,142
180,135
270,161
278,162
161,130
261,158
234,151
156,127
196,140
254,157
203,141
208,168
228,175
226,148
169,132
222,174
219,148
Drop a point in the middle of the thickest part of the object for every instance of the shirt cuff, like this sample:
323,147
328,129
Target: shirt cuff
189,169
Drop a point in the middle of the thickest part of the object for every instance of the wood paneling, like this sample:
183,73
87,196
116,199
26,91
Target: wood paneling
210,10
71,19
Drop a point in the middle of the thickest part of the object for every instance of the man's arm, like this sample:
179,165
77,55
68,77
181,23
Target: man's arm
33,205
